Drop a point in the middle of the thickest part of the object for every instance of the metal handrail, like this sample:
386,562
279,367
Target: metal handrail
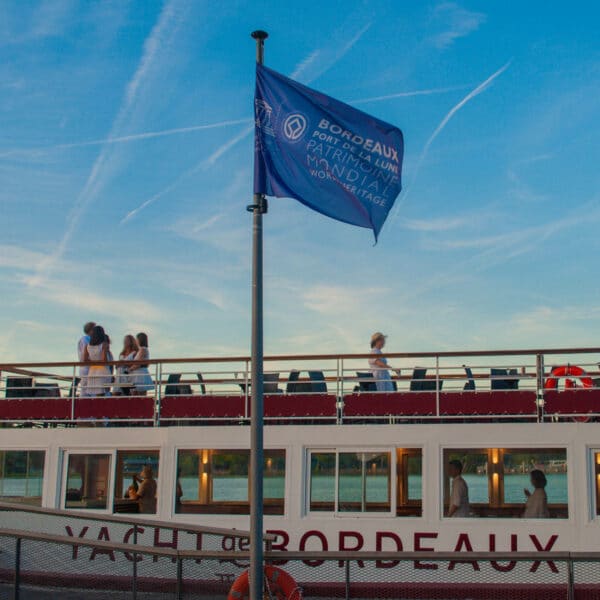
296,357
169,525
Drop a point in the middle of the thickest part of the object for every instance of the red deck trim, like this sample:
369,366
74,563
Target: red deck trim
300,405
518,402
206,407
573,401
20,409
115,407
370,404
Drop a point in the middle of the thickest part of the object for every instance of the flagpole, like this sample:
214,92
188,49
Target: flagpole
258,208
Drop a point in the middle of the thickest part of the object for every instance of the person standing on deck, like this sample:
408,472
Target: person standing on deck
379,365
459,495
146,492
81,346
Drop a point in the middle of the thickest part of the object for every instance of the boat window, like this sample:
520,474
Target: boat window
22,476
500,483
409,482
597,480
136,470
87,481
361,482
217,482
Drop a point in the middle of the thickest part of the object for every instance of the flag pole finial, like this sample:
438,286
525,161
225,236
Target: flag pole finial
259,34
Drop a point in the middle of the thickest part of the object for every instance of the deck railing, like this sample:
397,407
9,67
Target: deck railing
339,388
34,564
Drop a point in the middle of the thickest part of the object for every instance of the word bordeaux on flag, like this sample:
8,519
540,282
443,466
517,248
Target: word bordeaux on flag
332,157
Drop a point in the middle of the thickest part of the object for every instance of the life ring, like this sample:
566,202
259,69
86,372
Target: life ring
280,584
551,382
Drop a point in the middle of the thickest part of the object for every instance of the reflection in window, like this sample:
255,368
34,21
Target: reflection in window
22,476
136,481
217,481
322,481
498,479
87,481
597,479
362,481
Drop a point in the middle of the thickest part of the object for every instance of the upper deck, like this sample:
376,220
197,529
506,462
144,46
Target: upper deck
511,385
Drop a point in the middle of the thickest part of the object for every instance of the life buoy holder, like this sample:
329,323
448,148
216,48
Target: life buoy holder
551,382
281,585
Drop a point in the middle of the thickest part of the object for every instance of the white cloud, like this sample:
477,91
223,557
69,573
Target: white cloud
458,22
339,299
437,224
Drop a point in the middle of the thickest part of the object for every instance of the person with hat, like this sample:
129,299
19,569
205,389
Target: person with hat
379,365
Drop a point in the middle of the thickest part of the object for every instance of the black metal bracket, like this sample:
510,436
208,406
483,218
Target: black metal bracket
262,207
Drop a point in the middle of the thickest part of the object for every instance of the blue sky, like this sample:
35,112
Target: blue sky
125,168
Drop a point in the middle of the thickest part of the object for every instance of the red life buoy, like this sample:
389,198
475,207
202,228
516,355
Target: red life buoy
551,382
280,584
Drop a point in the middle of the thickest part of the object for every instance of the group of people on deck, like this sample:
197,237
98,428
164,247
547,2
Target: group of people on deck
101,379
536,505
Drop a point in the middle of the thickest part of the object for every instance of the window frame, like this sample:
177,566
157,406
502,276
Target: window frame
44,450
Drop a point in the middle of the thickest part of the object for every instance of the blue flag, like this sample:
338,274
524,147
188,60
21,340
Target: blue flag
332,157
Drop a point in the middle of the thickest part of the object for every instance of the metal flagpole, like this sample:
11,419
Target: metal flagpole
258,208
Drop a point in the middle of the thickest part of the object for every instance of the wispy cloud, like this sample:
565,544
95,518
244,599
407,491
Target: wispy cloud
315,64
434,224
428,92
135,137
472,94
340,299
154,45
458,22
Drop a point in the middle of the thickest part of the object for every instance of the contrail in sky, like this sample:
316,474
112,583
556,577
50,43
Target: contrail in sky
153,47
129,138
475,92
303,66
408,94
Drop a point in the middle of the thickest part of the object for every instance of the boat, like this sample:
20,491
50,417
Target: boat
347,468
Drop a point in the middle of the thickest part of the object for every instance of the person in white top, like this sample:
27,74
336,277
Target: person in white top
140,377
81,346
459,495
536,506
379,365
96,352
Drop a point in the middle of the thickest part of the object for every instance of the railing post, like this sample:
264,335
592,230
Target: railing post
158,394
437,386
539,367
347,579
571,579
135,561
246,390
73,392
179,594
17,569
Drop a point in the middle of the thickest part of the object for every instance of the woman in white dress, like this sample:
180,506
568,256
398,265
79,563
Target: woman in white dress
139,375
99,378
536,506
122,379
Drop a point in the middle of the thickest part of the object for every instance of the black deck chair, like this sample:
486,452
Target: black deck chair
505,383
470,385
292,385
318,381
47,390
416,383
19,387
73,388
270,381
366,386
172,389
202,386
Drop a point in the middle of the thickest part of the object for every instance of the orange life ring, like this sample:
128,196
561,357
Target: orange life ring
280,584
551,382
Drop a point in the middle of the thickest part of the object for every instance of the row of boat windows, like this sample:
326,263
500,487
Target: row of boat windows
216,481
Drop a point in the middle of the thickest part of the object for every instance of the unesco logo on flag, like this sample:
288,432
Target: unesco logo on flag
294,127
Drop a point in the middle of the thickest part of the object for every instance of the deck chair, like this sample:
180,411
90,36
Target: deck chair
416,383
47,390
19,387
507,383
292,385
318,383
174,388
366,386
270,381
202,386
470,385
